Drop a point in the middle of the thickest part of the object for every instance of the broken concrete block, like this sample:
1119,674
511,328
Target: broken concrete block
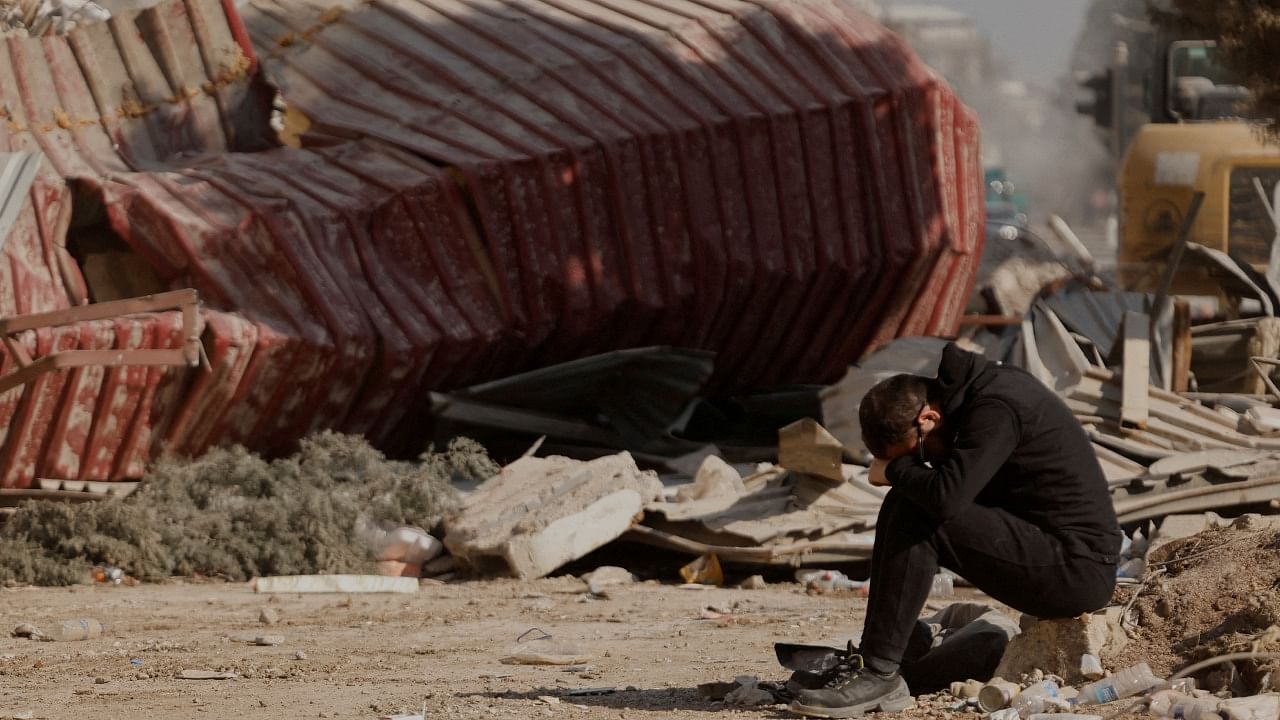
1055,646
806,447
540,513
269,616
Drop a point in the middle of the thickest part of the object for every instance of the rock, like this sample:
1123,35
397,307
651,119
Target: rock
806,447
1055,646
607,576
300,655
269,640
23,715
274,673
269,616
755,582
440,566
748,694
99,681
541,513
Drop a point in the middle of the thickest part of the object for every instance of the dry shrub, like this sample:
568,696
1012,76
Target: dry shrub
232,514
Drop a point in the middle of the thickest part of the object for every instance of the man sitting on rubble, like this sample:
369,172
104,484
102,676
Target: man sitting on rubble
991,477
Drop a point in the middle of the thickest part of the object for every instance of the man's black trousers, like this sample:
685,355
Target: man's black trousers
1010,559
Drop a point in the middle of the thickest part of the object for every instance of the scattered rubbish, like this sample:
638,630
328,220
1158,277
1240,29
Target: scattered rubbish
1123,684
966,690
997,695
136,663
779,517
828,580
1174,704
410,545
705,570
537,514
747,693
1265,706
22,715
1005,714
535,647
1033,699
108,574
269,616
206,675
75,630
1090,666
334,584
755,582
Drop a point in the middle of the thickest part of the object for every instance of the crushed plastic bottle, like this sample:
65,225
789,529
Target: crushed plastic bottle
1129,681
943,585
1180,706
827,580
75,630
1031,701
1256,707
536,647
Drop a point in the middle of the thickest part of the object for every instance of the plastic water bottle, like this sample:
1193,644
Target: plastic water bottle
944,586
1031,700
73,630
1129,681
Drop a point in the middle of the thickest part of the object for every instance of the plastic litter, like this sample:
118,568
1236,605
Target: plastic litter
75,630
1125,683
1031,701
536,647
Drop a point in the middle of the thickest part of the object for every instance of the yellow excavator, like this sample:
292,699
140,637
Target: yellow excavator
1181,128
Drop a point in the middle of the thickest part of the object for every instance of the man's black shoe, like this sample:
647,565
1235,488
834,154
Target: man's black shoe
852,690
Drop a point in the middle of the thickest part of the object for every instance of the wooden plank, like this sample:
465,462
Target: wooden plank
1181,345
1135,378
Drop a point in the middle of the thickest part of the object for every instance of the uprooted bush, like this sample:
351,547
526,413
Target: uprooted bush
233,515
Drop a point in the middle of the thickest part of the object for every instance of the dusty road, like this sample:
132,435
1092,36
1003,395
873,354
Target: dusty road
366,655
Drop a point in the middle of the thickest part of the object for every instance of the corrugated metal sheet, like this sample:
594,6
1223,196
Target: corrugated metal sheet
781,182
17,173
489,186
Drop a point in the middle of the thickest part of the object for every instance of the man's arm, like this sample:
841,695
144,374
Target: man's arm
982,445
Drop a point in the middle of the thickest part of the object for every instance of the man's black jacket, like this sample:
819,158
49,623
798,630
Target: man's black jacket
1016,446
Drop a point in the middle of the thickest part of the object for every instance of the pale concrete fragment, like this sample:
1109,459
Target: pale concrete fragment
1055,646
540,513
806,447
335,584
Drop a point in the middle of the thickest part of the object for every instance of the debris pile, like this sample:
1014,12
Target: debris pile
233,515
1214,593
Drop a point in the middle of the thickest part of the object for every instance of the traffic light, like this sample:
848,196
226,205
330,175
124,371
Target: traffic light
1100,106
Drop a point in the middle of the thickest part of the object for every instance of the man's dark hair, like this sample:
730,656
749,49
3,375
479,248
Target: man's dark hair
888,412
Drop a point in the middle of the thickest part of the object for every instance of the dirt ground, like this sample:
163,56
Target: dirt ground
367,655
